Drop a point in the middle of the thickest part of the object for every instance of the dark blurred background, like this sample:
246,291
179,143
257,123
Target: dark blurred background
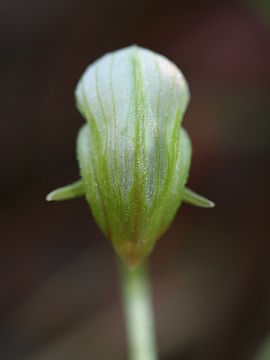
59,294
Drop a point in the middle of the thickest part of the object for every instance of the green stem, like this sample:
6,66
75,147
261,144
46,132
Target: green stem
138,312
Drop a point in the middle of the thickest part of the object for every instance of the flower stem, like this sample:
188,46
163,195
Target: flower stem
139,316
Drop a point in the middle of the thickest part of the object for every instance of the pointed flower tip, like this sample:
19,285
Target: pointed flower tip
210,204
67,192
193,198
205,203
51,196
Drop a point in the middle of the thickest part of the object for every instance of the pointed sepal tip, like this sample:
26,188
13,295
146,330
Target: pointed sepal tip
190,197
67,192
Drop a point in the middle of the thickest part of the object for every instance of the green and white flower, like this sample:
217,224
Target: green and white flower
133,154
